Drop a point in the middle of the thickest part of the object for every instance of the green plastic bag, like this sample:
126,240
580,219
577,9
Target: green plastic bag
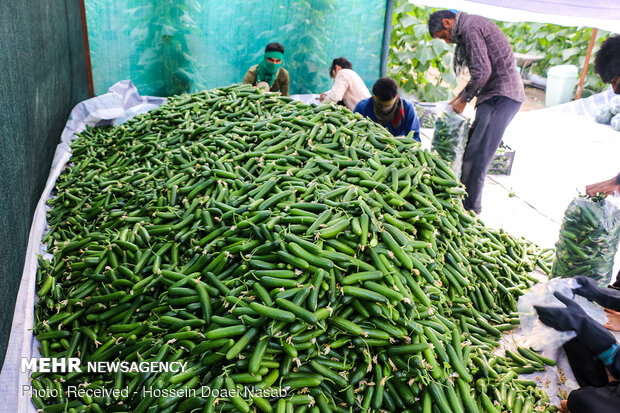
588,239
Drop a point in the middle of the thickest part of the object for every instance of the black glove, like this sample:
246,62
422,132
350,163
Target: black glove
607,297
589,332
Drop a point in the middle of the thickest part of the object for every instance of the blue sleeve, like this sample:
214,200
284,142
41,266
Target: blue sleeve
413,124
611,359
362,108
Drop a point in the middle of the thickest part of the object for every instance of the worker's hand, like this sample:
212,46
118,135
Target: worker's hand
606,297
322,97
458,105
606,187
587,287
561,318
589,332
613,320
564,406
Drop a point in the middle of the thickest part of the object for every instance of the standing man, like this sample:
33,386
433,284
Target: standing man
268,73
390,110
349,88
495,83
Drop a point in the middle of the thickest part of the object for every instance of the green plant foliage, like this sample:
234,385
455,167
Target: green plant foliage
420,65
560,45
166,60
310,39
423,66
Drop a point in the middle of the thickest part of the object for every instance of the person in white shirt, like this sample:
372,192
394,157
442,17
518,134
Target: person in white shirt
349,88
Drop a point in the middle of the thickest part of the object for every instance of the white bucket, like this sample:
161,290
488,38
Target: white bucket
561,82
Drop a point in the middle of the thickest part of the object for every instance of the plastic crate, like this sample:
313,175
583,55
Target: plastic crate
502,161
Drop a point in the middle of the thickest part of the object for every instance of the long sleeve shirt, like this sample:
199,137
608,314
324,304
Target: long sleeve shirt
490,60
280,83
611,359
348,87
408,123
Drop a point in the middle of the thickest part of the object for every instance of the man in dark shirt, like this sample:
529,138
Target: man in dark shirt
495,82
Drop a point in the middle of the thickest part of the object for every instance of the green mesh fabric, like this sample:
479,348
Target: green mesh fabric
42,76
167,47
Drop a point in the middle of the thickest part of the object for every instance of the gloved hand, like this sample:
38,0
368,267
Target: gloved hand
607,297
589,332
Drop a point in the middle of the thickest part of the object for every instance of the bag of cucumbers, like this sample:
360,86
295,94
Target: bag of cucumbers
450,138
588,239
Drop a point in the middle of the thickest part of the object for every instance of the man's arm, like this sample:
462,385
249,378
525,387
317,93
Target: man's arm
359,108
285,84
413,123
341,84
478,63
607,187
611,359
250,77
593,335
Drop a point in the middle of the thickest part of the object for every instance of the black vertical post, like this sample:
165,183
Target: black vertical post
387,34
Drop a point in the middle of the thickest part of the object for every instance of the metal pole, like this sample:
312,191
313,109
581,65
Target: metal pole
387,34
586,63
89,68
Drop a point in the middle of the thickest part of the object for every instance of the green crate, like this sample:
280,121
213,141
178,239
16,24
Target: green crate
502,161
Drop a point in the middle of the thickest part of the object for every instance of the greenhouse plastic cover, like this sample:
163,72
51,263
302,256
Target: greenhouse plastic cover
602,14
188,45
120,103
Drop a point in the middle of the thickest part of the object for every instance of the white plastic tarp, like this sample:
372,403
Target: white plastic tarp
120,103
602,14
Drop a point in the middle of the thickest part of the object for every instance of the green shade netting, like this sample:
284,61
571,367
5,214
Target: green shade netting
167,47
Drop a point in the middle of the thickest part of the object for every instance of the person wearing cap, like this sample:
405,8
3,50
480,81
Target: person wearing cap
495,83
348,88
390,110
594,354
269,74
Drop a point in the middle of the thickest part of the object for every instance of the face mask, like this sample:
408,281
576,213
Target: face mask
272,67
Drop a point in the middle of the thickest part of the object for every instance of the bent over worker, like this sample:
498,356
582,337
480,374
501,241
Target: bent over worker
348,88
495,83
269,73
389,110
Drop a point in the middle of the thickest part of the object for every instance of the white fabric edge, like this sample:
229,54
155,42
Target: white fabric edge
518,15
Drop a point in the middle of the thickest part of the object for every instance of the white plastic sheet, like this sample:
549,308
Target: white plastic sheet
540,336
120,103
602,14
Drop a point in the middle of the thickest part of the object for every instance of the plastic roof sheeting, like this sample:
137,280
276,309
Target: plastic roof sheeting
602,14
